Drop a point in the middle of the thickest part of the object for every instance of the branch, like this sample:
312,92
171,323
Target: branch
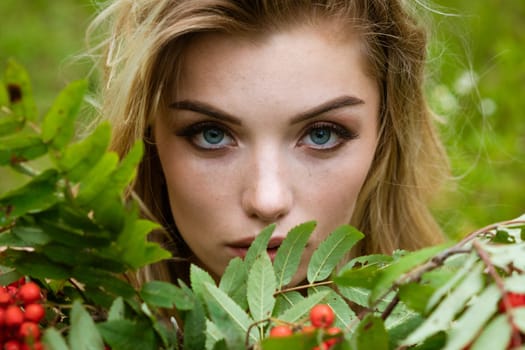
509,310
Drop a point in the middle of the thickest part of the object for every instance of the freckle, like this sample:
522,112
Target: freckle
15,92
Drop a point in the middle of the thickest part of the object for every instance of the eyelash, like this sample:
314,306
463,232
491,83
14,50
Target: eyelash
191,132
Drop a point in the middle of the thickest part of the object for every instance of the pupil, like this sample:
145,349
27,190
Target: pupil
320,136
213,136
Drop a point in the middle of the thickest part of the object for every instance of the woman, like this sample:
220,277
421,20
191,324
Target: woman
273,111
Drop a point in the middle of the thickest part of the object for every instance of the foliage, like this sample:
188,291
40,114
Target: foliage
69,229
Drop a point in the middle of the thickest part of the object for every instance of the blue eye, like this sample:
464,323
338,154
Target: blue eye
320,136
326,136
207,136
213,135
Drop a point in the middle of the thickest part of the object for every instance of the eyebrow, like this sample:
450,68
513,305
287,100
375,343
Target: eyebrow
213,112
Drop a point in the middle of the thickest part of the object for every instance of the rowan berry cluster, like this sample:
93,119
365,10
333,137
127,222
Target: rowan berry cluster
21,310
321,318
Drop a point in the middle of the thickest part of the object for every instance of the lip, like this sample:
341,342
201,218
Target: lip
240,247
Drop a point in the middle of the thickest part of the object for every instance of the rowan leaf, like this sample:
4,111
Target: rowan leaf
302,308
370,334
387,276
495,336
227,315
289,253
52,339
127,334
234,281
259,245
194,323
161,294
20,91
330,252
198,278
261,287
83,334
464,330
58,126
452,304
21,147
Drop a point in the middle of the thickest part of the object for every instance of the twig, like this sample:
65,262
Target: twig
8,227
304,286
509,311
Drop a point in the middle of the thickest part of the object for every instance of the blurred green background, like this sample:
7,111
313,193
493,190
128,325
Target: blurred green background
476,83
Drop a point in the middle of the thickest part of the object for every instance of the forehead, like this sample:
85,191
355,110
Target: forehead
282,57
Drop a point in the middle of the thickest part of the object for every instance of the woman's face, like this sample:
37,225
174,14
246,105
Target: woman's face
280,130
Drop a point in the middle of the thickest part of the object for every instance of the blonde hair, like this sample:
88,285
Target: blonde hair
142,54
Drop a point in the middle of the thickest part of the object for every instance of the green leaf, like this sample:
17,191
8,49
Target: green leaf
20,148
213,336
302,308
81,257
58,125
20,91
344,315
97,179
504,255
452,304
515,283
35,196
234,281
519,318
161,294
83,334
31,234
284,301
117,310
357,295
401,322
127,167
79,158
387,276
370,334
52,339
466,267
331,251
259,245
198,278
127,334
495,336
261,287
38,265
223,309
194,324
9,124
289,253
468,326
296,341
9,239
109,282
416,296
132,246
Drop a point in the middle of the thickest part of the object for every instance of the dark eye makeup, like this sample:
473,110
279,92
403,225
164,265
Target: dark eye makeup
320,136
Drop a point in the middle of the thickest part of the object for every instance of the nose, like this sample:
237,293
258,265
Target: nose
268,195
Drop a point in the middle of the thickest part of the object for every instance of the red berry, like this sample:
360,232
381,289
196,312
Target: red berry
12,345
21,281
334,340
29,330
5,298
322,316
514,299
280,331
2,321
34,312
13,316
29,293
322,346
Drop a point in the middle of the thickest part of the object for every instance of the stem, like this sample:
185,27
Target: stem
23,169
77,287
509,311
8,227
304,286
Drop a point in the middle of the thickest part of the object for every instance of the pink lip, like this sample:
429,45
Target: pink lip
240,248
